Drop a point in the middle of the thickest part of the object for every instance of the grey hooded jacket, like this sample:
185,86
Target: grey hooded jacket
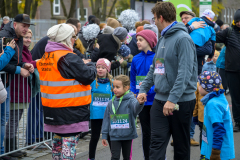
179,82
129,106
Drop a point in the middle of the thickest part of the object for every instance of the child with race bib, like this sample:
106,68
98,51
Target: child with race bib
101,95
119,118
146,41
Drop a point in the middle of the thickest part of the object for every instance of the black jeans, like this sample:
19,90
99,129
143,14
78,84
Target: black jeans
96,126
200,124
177,125
116,147
144,117
224,79
233,79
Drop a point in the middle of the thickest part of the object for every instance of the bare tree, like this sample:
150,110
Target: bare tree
81,10
27,8
72,9
2,8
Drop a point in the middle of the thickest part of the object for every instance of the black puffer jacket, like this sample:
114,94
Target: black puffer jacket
232,42
9,32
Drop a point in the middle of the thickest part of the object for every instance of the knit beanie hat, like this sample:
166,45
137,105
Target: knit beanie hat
151,27
219,22
149,36
128,18
237,16
120,32
124,50
140,28
104,62
108,30
61,33
113,23
208,13
210,81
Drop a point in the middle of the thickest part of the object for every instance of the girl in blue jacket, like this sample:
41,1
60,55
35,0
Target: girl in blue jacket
146,41
101,95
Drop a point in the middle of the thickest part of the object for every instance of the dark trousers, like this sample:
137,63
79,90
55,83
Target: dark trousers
144,117
200,124
96,126
116,147
177,125
224,79
233,79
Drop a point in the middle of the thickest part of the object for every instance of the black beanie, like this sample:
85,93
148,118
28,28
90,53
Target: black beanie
219,22
237,16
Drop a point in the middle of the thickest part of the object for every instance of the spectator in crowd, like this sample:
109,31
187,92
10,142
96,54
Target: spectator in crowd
109,44
219,47
217,133
125,53
89,19
20,97
108,30
6,19
94,21
221,69
203,28
146,41
113,23
16,29
102,26
211,66
7,54
175,58
39,48
67,67
220,23
230,37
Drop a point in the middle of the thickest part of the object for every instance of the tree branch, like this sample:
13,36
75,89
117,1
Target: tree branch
72,9
113,5
64,8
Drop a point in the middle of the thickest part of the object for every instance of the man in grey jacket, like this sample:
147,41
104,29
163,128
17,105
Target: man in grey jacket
174,74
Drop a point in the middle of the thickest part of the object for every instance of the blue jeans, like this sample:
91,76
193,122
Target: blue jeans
35,120
4,117
192,129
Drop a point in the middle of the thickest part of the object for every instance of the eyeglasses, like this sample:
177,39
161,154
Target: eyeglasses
75,37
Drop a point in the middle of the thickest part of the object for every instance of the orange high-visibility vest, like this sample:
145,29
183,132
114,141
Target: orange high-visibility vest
57,91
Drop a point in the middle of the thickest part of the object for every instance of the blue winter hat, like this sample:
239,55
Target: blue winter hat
124,51
210,81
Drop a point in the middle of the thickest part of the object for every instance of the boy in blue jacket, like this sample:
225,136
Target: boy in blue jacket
146,41
217,132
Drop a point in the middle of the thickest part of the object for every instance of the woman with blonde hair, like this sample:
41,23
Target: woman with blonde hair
65,89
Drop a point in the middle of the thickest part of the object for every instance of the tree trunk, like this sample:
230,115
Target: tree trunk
34,9
97,12
64,8
72,9
104,10
8,7
81,10
27,8
51,4
113,5
14,8
2,8
92,6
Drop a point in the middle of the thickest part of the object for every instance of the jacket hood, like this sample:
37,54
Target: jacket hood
54,46
211,95
175,28
126,97
210,23
9,27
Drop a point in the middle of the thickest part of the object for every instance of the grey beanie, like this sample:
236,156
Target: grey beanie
120,32
151,27
108,30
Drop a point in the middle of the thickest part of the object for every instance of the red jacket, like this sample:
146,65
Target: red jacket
24,87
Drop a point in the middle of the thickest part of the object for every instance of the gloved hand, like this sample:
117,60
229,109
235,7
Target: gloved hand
195,120
215,154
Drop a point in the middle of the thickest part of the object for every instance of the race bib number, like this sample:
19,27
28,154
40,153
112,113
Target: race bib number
139,79
204,134
119,121
159,66
100,99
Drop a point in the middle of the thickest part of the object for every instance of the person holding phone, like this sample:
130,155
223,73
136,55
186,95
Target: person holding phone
7,53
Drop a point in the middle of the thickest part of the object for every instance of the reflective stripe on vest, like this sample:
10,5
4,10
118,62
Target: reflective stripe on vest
56,90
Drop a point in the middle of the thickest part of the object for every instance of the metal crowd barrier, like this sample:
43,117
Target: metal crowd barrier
22,123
